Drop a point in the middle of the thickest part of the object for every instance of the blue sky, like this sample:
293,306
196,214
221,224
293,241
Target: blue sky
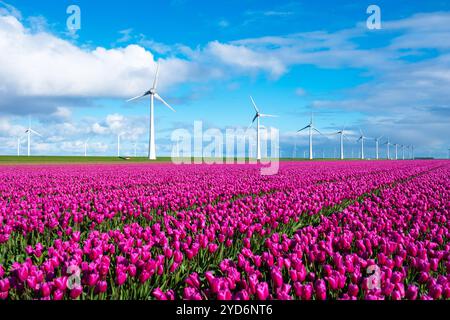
293,57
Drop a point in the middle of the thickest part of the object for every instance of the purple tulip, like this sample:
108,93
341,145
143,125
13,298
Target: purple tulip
262,291
412,292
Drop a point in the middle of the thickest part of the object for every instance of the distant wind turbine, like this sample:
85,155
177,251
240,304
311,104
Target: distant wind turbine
30,131
403,151
18,146
85,146
342,135
377,141
258,137
118,143
396,151
294,152
153,95
311,128
135,149
362,138
388,144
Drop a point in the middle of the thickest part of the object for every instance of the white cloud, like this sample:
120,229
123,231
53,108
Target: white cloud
97,128
300,92
125,35
246,59
7,9
62,113
223,23
9,129
40,64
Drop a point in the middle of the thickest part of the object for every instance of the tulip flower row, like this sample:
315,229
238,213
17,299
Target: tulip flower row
389,245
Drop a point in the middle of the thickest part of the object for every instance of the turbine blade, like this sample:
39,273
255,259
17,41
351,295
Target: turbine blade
268,115
36,133
304,128
137,97
255,117
318,131
254,105
157,96
155,82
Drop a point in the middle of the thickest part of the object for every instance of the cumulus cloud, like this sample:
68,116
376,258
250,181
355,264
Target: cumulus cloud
44,74
245,58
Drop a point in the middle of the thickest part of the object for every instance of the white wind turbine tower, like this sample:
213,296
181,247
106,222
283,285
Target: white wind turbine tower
30,131
85,146
362,138
311,127
153,95
118,143
258,136
18,146
377,141
396,151
294,152
135,149
388,144
403,151
342,135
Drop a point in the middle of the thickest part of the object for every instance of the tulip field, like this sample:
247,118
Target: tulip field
316,230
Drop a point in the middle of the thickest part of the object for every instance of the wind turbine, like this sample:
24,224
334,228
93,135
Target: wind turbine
256,117
403,151
135,149
85,146
311,127
341,134
294,152
362,138
18,146
396,151
412,152
377,141
118,143
153,95
30,131
388,143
